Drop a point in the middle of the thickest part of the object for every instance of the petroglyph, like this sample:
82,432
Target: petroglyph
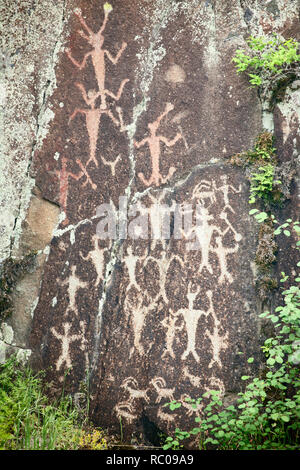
190,407
96,256
130,261
153,141
66,340
226,189
163,393
130,385
218,341
74,284
138,313
111,164
125,410
222,257
64,176
97,55
206,235
93,116
191,317
195,381
169,322
166,417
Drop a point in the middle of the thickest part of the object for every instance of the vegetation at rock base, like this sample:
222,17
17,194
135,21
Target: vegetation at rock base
29,421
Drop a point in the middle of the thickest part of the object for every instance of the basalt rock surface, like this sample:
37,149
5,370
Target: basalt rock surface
125,107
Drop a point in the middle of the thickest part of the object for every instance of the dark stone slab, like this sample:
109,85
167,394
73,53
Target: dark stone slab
148,106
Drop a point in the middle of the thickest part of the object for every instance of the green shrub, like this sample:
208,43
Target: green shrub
27,419
268,61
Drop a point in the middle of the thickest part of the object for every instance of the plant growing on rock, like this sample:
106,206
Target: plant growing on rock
270,62
262,170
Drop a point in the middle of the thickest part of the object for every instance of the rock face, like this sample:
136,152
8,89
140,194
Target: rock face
147,285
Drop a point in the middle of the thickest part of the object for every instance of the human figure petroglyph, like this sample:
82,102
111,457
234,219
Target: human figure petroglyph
130,261
191,317
222,254
207,235
74,284
162,391
203,233
218,341
153,141
93,117
64,175
131,386
139,304
138,313
169,322
226,189
66,340
96,256
97,54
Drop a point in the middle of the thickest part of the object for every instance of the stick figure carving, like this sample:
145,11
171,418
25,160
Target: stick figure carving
64,176
96,256
93,116
97,54
66,340
218,341
74,283
191,317
153,142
